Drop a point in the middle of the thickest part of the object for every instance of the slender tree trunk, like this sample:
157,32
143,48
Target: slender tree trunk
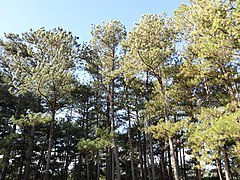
184,163
87,169
142,173
173,160
152,158
67,148
147,158
108,164
97,154
129,137
98,166
112,163
198,174
198,171
29,153
141,150
170,172
181,162
228,173
40,162
219,169
132,155
112,117
146,172
50,144
22,158
163,165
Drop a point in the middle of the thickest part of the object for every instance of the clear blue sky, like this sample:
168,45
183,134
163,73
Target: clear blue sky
17,16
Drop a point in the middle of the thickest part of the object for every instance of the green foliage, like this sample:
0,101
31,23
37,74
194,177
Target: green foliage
32,119
218,130
102,140
211,31
150,44
105,42
41,62
164,130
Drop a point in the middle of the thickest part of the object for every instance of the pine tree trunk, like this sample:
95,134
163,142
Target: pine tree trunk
184,163
219,169
98,166
227,167
198,170
141,151
50,144
173,160
146,159
117,162
129,137
146,169
29,153
79,167
40,162
170,172
163,166
198,174
152,158
112,118
142,172
87,169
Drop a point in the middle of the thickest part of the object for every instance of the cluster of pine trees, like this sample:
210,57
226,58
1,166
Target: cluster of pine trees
160,102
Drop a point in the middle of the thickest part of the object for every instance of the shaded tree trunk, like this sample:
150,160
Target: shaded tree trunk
163,165
129,137
219,169
228,173
198,171
152,158
50,144
29,154
112,119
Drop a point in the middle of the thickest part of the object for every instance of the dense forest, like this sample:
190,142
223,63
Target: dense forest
160,102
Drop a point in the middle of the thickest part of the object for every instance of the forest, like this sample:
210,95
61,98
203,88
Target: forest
159,102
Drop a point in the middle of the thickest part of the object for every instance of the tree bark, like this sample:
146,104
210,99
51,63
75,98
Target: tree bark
50,144
129,137
152,158
29,154
228,173
219,169
198,174
163,165
112,119
173,159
